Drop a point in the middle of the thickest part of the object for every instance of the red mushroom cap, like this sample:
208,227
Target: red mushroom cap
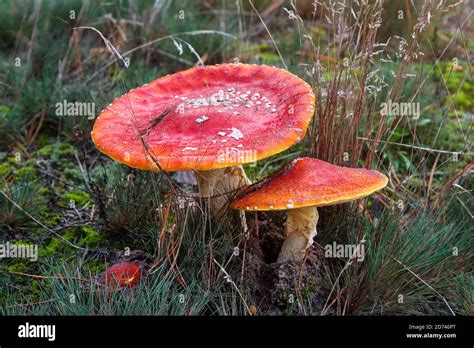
123,274
206,118
306,182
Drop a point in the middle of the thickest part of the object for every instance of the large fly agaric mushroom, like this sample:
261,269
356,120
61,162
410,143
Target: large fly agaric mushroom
124,274
301,186
208,119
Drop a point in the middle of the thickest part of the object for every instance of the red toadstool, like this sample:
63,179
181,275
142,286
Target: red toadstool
301,186
209,119
124,274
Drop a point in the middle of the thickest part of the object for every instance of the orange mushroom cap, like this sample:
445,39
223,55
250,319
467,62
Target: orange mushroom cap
123,274
306,182
206,118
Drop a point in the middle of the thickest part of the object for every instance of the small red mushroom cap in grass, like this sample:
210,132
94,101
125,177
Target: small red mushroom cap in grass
124,274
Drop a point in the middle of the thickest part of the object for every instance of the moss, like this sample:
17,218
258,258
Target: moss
80,198
50,219
18,265
96,266
42,140
12,160
451,137
26,172
22,170
4,111
43,191
84,236
30,288
311,289
57,245
269,58
90,238
36,288
416,182
462,100
6,169
56,151
73,174
51,248
459,84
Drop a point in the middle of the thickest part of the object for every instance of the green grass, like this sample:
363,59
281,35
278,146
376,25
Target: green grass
408,258
418,262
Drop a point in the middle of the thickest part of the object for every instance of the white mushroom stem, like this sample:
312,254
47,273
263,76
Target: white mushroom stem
300,230
218,185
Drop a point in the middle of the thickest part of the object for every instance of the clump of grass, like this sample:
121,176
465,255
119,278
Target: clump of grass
462,293
70,291
410,267
16,201
180,278
126,200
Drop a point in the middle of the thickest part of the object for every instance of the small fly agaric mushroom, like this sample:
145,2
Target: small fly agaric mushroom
123,274
209,119
301,186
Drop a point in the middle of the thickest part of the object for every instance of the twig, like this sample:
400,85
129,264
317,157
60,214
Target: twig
444,190
428,285
60,277
229,280
167,37
430,182
269,34
32,304
420,147
108,44
41,224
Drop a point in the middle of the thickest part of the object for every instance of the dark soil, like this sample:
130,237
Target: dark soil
280,288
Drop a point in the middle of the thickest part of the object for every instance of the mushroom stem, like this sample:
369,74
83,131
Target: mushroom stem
300,230
219,184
